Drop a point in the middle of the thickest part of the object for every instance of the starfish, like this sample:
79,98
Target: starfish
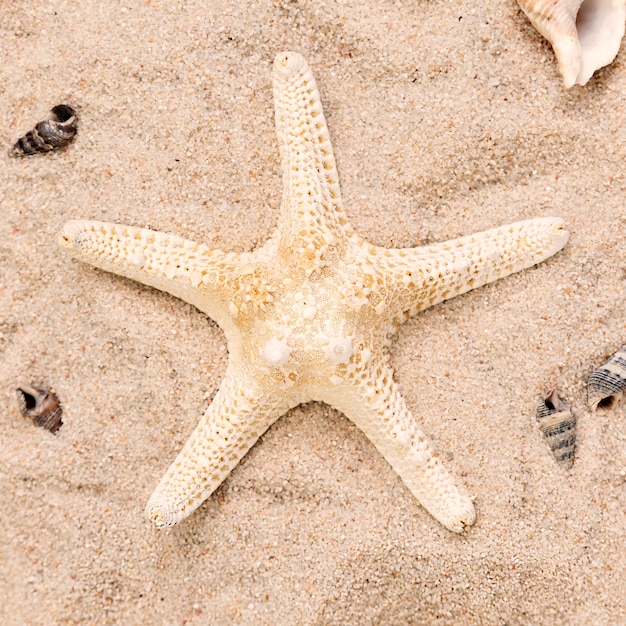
310,315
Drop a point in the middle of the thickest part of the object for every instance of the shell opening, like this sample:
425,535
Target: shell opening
607,403
62,113
30,402
592,16
600,27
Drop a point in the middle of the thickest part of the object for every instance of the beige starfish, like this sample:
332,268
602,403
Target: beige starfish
311,314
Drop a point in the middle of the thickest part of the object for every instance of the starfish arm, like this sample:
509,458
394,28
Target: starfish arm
187,270
239,414
414,279
376,407
311,196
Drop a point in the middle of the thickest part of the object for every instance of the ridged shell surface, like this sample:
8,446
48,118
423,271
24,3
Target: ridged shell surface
558,426
55,131
607,383
41,405
585,35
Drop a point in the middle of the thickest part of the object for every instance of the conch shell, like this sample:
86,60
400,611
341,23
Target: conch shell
585,34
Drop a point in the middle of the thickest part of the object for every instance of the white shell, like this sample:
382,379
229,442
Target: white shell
585,34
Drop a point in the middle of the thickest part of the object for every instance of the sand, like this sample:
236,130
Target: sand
447,117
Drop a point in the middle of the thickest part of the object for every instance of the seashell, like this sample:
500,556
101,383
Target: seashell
558,426
42,405
55,131
585,34
607,383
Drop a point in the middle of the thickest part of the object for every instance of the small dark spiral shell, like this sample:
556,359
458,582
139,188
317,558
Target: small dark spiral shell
607,383
558,426
55,131
41,405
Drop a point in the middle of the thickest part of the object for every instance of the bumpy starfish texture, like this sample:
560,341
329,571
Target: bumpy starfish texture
310,315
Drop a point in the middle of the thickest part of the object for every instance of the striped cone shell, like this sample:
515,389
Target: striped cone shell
55,131
558,426
607,382
41,405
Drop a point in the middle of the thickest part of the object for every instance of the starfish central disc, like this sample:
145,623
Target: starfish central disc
309,315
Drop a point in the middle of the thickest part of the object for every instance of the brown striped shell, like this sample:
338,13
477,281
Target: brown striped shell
607,382
55,131
558,426
41,405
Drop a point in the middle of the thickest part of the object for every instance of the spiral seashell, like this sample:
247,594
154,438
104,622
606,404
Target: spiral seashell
558,426
607,383
55,131
41,405
585,34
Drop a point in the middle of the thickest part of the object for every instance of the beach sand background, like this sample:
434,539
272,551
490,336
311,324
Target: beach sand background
447,117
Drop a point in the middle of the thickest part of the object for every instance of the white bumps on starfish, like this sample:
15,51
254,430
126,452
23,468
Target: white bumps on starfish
309,315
